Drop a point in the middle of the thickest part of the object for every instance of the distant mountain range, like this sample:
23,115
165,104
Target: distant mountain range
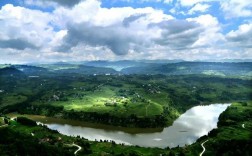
184,68
165,67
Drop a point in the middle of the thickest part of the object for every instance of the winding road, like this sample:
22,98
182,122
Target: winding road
204,149
79,147
243,125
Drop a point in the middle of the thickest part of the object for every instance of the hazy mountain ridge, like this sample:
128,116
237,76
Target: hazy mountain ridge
137,67
181,68
10,71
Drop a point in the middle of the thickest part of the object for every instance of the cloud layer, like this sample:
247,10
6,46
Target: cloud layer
88,30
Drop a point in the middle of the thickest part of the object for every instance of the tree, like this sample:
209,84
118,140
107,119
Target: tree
26,121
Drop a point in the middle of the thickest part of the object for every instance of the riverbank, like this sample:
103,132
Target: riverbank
183,132
230,138
51,120
222,141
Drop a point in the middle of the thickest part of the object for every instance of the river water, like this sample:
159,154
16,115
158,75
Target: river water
191,125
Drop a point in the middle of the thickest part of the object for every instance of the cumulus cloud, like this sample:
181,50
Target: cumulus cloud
211,34
189,3
242,37
168,1
178,34
24,28
43,3
18,44
237,8
132,18
86,30
68,3
116,39
199,8
174,34
231,8
119,29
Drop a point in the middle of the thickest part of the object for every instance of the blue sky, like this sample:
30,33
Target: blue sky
78,30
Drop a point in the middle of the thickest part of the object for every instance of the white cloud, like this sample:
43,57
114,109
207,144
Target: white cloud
118,29
211,35
88,31
168,1
199,8
92,12
237,8
23,27
54,3
242,37
177,34
231,8
189,3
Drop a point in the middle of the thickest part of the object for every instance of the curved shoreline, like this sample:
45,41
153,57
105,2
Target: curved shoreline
51,120
170,136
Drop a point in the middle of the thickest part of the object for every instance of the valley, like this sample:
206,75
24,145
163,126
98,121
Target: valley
130,112
134,100
125,78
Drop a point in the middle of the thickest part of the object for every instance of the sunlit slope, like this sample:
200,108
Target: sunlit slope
111,94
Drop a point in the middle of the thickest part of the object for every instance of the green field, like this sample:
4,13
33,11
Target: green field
105,99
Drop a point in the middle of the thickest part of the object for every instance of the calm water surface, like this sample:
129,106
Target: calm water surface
191,125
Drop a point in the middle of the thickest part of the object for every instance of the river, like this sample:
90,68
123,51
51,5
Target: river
185,130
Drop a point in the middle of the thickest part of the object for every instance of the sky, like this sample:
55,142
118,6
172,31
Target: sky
85,30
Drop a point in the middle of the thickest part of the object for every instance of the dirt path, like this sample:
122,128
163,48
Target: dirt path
204,149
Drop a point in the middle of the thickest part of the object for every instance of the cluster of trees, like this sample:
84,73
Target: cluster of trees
26,121
18,143
127,121
47,110
233,115
232,147
106,118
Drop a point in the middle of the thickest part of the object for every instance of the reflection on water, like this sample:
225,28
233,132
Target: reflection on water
194,123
